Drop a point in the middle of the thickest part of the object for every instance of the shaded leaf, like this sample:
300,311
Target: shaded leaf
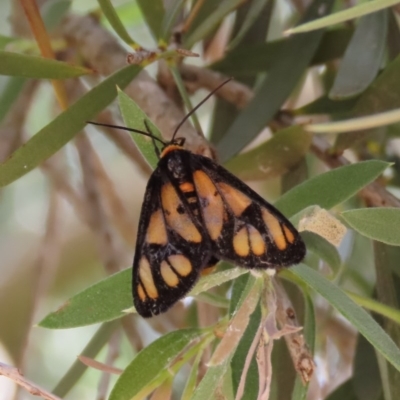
153,12
363,57
10,92
151,362
54,11
112,17
274,157
290,65
22,65
64,127
325,105
107,299
358,317
251,59
211,21
171,14
341,16
381,224
322,248
331,188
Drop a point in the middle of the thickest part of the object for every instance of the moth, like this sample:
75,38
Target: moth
194,214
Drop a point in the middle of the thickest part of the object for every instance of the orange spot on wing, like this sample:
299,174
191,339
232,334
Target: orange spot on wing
146,278
180,222
236,200
257,242
169,276
141,293
288,233
156,231
274,228
213,207
181,264
241,243
186,187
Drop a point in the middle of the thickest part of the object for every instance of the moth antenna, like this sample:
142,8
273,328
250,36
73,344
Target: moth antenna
124,128
198,106
156,149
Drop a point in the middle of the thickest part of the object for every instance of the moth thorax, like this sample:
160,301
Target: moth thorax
177,168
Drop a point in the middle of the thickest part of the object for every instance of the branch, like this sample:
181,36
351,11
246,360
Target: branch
15,375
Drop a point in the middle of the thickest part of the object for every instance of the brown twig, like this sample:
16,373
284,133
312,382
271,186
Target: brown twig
15,375
102,51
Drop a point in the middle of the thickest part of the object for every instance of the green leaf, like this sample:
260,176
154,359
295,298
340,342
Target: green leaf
154,13
344,392
21,65
274,157
251,59
381,224
104,301
255,8
10,92
342,16
362,60
170,17
325,105
322,248
288,68
151,362
114,20
64,127
331,188
358,317
381,95
134,118
211,21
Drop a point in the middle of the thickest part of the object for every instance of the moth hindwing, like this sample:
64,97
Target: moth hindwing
194,213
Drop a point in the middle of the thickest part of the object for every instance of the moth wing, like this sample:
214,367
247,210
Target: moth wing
244,228
171,249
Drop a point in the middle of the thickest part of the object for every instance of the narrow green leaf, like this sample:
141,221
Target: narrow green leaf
10,92
354,12
376,306
382,95
274,157
22,65
171,14
151,362
211,21
154,13
331,188
324,105
288,68
103,301
114,20
363,57
366,380
381,224
251,59
358,317
64,127
106,300
253,13
134,118
191,382
321,247
216,279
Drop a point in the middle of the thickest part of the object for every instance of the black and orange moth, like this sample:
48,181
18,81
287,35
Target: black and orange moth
194,214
